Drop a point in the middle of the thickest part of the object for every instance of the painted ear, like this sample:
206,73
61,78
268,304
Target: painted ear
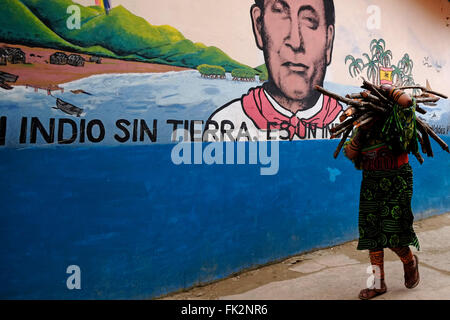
330,42
256,15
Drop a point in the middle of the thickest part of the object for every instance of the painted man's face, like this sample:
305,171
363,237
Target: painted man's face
297,44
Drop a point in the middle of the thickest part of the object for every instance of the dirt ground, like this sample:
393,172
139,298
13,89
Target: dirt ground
278,271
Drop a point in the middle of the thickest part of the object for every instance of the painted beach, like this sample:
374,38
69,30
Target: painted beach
38,71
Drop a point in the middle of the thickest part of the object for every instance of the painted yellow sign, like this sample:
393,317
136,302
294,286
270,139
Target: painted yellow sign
386,75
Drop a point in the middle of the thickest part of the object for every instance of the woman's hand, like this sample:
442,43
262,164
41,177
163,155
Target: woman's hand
353,149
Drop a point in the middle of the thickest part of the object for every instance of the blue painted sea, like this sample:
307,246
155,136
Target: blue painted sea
165,96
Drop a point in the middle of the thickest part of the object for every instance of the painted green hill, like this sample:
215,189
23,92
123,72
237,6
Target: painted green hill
119,34
54,13
262,69
111,31
20,25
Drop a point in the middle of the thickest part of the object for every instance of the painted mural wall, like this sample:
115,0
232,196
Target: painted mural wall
155,145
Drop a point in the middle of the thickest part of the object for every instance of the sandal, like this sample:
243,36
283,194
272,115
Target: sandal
412,277
367,294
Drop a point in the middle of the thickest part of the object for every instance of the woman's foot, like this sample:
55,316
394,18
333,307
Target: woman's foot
412,276
367,293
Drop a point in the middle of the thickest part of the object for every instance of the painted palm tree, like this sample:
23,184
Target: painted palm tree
356,65
406,64
407,80
372,68
379,67
385,70
385,58
377,47
397,75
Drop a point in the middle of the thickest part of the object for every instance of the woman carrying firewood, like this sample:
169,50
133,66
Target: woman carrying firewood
380,149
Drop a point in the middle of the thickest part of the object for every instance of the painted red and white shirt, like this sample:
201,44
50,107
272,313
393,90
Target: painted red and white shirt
258,117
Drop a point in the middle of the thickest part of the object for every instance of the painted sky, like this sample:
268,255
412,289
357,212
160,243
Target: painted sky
417,27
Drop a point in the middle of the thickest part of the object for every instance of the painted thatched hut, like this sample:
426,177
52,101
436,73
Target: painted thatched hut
95,59
75,60
15,55
58,58
3,57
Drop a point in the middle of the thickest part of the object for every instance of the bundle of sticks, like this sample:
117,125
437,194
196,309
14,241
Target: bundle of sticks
374,103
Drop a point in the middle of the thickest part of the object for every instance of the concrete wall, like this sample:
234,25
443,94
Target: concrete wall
139,226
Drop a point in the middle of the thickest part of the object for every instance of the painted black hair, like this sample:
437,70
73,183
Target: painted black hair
329,10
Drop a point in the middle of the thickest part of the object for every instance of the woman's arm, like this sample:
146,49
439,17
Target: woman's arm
353,148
